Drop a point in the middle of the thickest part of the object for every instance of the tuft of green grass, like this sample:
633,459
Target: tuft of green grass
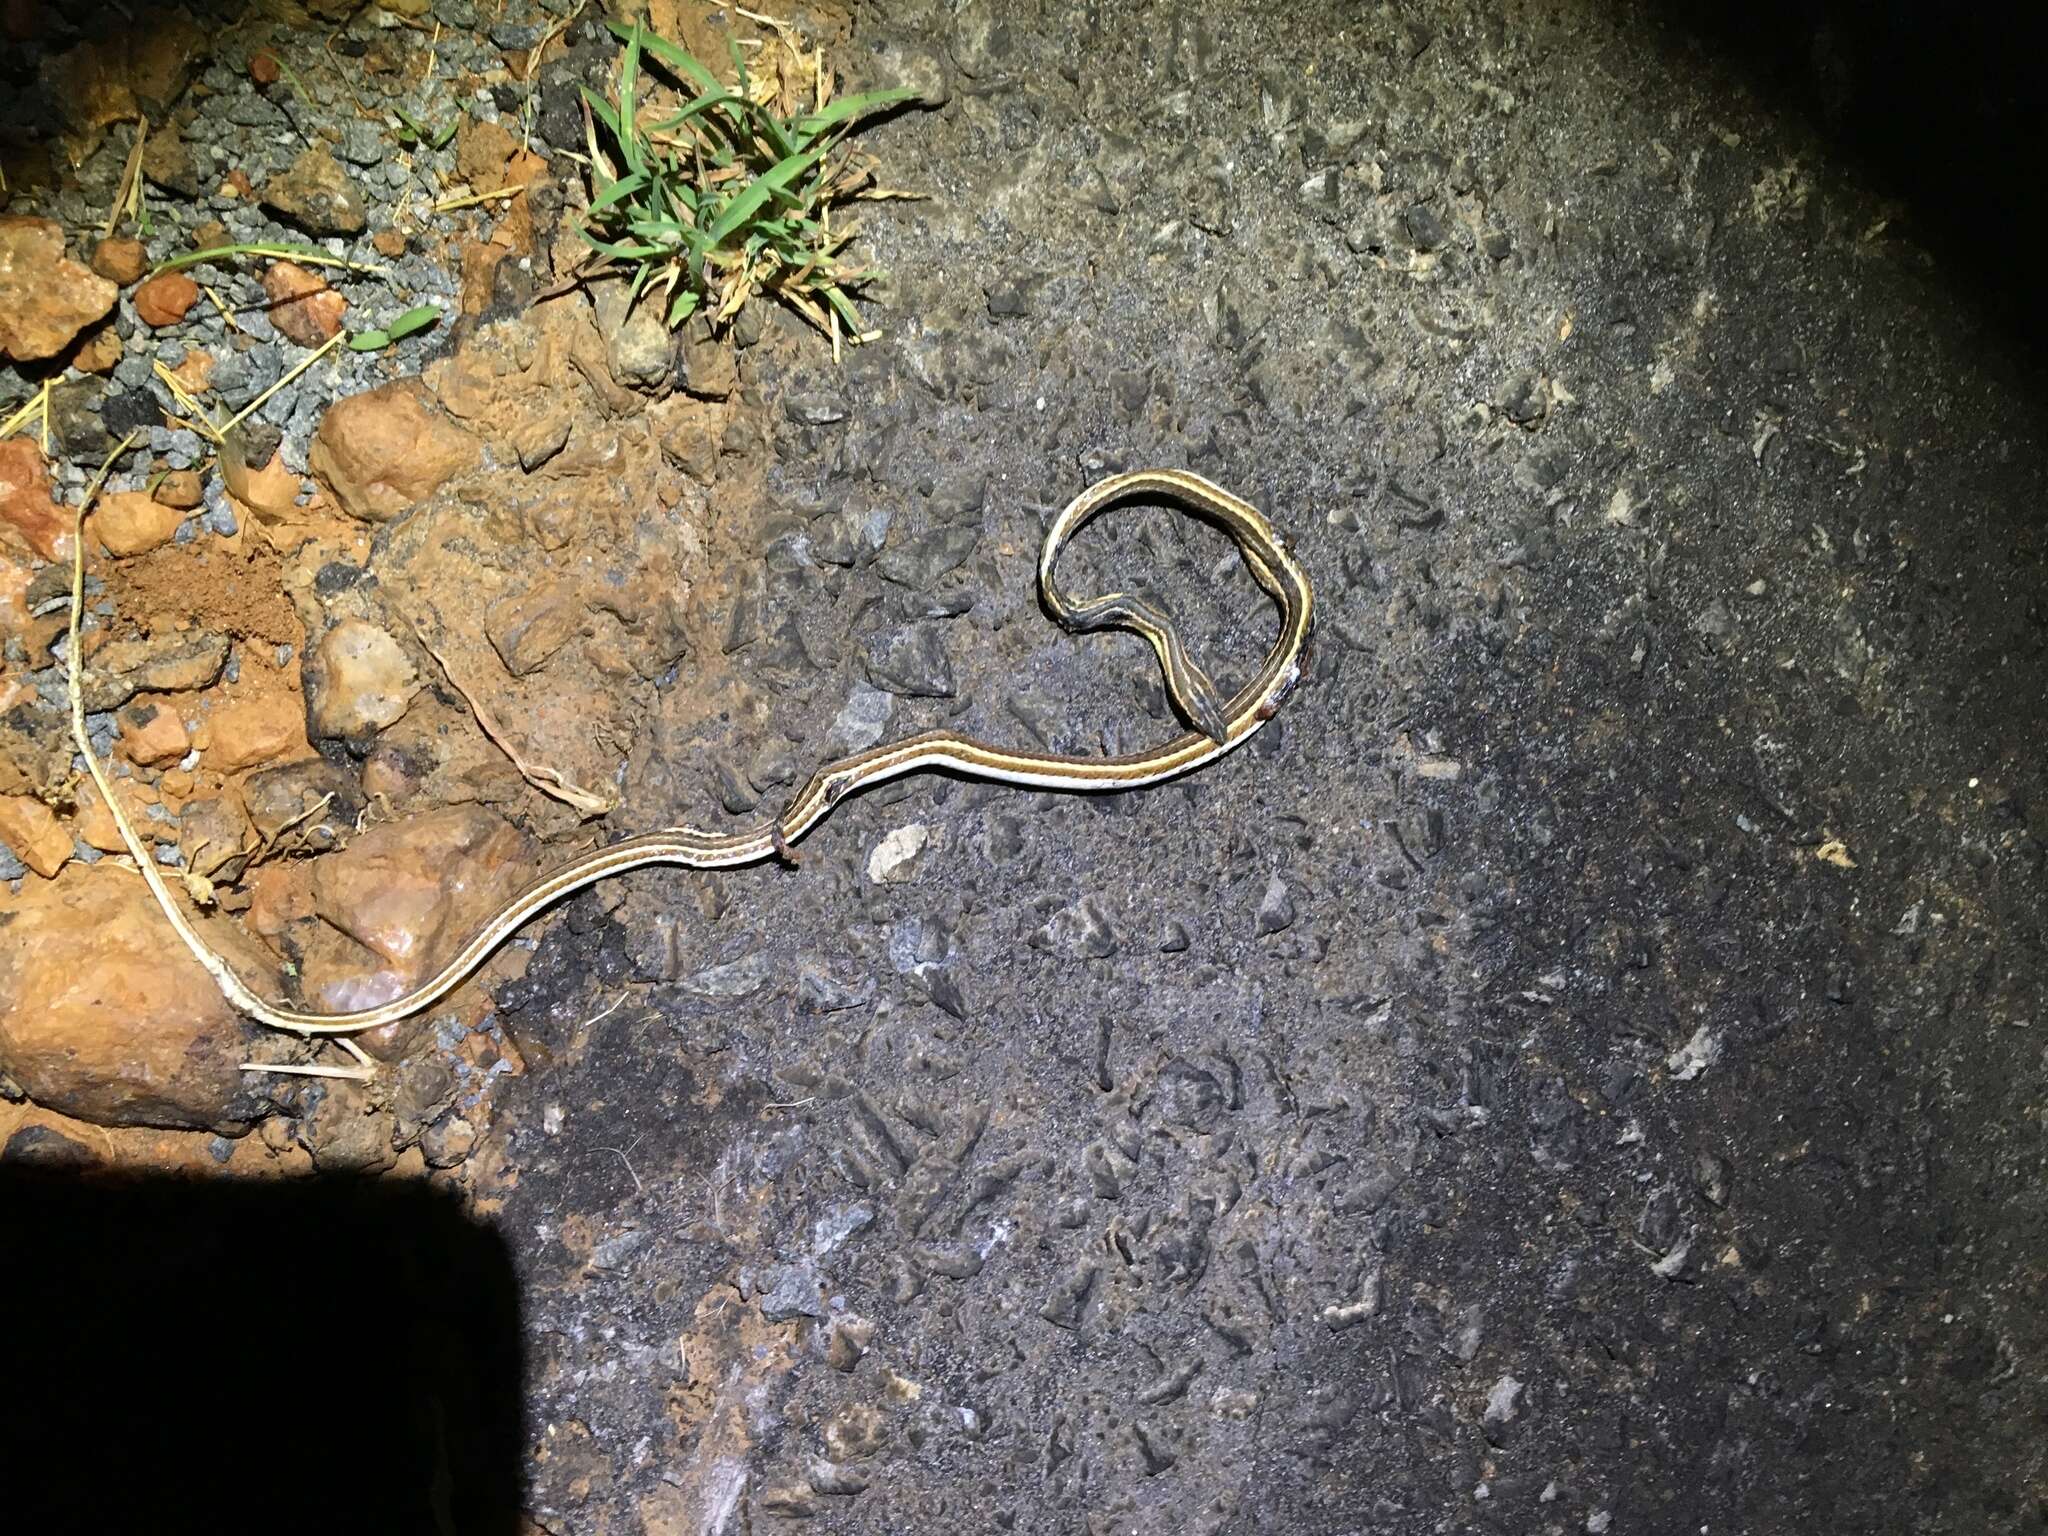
724,198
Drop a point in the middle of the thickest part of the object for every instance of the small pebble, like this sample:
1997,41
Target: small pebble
1276,907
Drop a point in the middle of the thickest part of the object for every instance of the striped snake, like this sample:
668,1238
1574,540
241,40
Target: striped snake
1218,726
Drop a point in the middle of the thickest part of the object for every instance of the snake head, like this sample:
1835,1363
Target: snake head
1206,712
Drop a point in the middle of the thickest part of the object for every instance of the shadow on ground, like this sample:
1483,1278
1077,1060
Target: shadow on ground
159,1376
1932,106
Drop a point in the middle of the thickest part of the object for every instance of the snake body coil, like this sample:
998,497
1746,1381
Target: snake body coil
1219,724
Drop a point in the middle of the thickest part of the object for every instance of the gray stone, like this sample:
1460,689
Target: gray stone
861,720
912,662
362,143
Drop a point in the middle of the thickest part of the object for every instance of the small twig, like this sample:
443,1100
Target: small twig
305,815
598,1018
303,364
232,986
309,1069
576,279
539,775
226,315
541,47
38,405
145,865
304,255
469,199
638,1187
201,422
126,192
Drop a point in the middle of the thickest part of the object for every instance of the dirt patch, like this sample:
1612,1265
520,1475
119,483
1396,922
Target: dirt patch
235,588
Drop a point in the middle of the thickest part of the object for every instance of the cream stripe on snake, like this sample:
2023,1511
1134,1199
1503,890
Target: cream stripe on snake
1222,726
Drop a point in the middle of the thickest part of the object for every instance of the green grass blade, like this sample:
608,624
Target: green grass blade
624,187
771,128
667,232
418,318
629,82
695,108
846,108
670,54
756,196
602,111
837,298
684,306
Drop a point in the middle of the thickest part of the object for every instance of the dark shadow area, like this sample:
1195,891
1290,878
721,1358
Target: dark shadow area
1938,106
220,1356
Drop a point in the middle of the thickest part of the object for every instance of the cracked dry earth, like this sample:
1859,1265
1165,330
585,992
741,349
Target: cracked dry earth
1580,1068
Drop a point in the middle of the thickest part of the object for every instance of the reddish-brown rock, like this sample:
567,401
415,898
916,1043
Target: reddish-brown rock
280,894
106,1016
120,260
482,150
15,576
35,743
270,494
123,72
408,893
94,823
132,522
181,488
45,298
121,669
165,299
151,733
381,452
25,504
258,727
33,834
480,259
302,306
99,352
196,372
317,194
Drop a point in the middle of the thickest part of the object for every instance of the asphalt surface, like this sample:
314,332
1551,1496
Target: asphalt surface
1580,1069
